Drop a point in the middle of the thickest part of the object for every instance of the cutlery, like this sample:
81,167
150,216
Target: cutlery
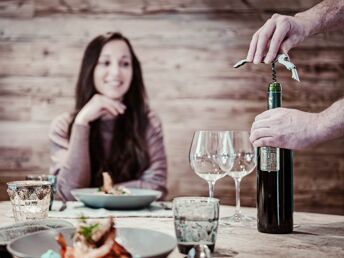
64,206
199,251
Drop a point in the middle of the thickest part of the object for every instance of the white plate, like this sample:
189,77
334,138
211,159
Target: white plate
10,232
141,243
137,199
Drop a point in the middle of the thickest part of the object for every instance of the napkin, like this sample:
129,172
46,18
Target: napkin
77,209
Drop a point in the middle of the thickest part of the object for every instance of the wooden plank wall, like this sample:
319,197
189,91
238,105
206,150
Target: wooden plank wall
187,49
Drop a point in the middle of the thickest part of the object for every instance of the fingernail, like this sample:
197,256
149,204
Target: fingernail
256,60
267,60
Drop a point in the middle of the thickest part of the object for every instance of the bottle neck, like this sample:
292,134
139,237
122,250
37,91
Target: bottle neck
274,95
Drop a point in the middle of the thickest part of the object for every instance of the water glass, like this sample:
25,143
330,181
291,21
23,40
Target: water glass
196,221
49,178
30,199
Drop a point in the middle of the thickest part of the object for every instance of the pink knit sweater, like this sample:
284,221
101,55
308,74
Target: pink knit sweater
70,160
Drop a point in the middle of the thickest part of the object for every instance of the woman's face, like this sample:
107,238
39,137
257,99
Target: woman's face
113,73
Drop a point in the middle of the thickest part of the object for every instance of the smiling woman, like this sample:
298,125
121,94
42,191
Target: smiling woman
113,73
112,127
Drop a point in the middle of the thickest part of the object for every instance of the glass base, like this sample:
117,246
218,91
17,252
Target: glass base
243,220
239,219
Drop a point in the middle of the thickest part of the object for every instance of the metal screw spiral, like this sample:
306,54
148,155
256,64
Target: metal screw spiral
273,72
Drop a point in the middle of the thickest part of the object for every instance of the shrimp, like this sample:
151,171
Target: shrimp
107,183
101,243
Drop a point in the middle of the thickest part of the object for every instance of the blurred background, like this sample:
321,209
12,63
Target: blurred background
187,49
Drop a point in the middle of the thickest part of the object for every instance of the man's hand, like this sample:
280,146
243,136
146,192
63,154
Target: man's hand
279,34
285,128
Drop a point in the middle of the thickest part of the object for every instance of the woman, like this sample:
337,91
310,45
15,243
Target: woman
112,128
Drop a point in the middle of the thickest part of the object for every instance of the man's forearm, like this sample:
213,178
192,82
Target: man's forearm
325,16
331,122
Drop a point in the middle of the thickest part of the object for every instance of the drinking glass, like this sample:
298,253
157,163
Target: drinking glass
196,221
211,156
49,178
244,164
29,199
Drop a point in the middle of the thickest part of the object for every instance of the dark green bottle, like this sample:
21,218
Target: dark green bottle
274,180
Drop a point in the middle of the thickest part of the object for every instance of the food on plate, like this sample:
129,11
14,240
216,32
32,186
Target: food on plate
93,240
109,188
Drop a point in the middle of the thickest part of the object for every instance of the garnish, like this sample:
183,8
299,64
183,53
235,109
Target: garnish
93,240
83,219
88,230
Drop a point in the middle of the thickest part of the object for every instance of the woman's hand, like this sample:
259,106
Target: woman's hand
99,106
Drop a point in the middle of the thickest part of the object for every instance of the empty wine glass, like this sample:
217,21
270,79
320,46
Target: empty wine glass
211,156
244,164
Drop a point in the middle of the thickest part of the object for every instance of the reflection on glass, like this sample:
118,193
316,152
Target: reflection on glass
244,164
211,156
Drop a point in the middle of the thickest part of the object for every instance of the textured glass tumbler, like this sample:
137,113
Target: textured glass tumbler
30,199
196,220
49,178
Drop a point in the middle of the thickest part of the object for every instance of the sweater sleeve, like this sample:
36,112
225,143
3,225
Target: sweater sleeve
155,176
70,160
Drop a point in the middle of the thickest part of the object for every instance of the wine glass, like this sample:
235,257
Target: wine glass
211,156
244,164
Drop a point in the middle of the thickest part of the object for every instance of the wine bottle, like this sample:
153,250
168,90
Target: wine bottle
274,180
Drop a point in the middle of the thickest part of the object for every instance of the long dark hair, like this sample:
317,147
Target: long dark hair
129,155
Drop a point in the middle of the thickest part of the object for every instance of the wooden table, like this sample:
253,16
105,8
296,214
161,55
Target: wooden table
318,235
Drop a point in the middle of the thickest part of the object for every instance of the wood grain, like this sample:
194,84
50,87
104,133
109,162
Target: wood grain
187,49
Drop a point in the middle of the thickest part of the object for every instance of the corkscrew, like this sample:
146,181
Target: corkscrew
273,72
282,59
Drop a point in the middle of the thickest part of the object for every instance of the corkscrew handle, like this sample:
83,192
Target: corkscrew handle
282,59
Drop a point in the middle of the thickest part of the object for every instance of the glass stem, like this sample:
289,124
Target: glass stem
211,185
237,196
